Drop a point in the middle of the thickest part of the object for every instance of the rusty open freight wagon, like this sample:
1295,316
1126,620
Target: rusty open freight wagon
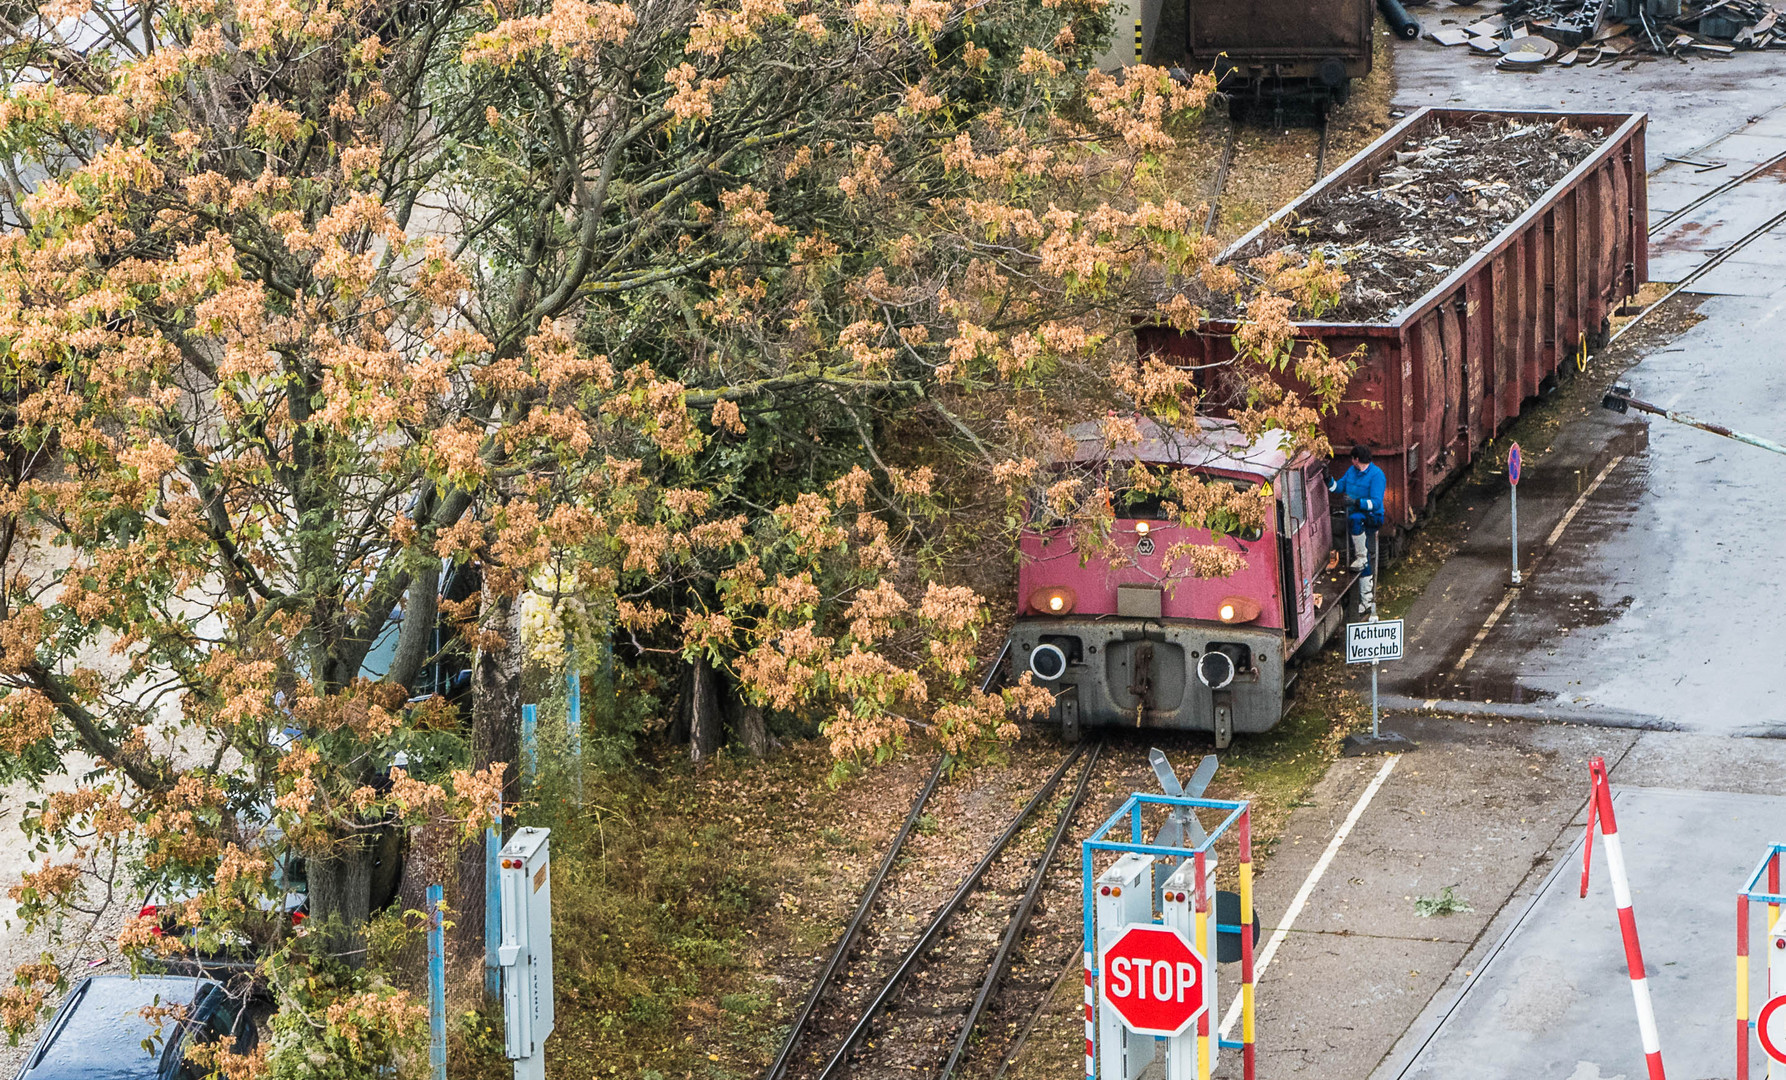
1453,367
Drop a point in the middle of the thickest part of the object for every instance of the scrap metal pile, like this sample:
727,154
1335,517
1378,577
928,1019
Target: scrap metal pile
1528,34
1424,212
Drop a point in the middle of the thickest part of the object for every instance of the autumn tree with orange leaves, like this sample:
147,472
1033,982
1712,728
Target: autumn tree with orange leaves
339,334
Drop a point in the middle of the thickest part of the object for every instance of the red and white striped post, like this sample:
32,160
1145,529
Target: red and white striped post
1600,806
1091,1024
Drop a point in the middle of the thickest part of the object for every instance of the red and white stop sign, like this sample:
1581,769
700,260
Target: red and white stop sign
1153,979
1770,1025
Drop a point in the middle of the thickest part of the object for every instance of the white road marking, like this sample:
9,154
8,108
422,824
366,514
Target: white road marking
1580,501
1476,642
1308,886
1549,542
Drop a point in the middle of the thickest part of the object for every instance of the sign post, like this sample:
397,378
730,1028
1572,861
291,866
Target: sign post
1513,463
1371,643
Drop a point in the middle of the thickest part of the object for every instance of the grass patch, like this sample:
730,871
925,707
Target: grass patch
1446,903
669,931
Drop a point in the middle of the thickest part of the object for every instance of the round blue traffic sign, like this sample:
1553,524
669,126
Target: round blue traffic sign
1513,464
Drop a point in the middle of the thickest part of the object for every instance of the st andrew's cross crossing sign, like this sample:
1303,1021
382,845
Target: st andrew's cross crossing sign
1153,979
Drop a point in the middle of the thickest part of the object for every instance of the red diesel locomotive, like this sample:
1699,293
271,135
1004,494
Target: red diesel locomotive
1122,641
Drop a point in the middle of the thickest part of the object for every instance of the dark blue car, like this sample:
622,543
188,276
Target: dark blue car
99,1031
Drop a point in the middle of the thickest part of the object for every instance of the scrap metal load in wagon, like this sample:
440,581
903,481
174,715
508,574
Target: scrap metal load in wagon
1485,252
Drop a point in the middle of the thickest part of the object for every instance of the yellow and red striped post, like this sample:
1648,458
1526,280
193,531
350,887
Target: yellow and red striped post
1245,836
1742,986
1203,1021
1600,804
1773,888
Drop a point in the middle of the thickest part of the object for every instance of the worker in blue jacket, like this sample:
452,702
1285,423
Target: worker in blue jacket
1363,484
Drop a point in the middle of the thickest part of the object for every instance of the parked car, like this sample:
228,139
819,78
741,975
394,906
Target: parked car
287,898
100,1033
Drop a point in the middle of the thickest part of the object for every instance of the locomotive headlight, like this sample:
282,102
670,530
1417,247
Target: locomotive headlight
1052,600
1141,528
1237,609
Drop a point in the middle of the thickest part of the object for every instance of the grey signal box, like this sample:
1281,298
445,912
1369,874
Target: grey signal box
524,869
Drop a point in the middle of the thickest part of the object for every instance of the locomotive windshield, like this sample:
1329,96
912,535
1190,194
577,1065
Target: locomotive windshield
1048,510
1140,504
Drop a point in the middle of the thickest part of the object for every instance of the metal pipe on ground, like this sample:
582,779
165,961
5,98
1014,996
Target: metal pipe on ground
1404,24
1620,399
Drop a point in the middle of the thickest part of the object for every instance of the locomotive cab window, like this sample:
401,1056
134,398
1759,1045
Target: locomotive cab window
1140,506
1295,506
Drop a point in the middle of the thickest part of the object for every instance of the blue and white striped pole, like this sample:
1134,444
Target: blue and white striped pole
436,982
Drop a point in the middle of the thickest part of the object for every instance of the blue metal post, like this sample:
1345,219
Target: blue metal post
436,982
573,723
530,742
492,906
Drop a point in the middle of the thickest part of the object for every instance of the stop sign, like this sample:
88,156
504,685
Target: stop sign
1771,1026
1153,979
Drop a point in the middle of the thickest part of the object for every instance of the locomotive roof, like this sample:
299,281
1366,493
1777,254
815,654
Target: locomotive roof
1215,444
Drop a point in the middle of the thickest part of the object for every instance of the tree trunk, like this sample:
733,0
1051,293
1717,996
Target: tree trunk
704,716
679,727
752,731
495,736
340,900
429,860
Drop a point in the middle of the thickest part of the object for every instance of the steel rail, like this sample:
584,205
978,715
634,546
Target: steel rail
1074,965
1019,919
1736,181
939,921
1700,271
1221,177
841,953
1321,150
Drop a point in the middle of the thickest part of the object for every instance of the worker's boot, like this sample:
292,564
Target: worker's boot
1360,551
1367,594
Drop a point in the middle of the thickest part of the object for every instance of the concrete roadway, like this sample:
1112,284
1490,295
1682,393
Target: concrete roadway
1646,633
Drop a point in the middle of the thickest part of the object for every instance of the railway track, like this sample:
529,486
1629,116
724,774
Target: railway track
1226,164
904,1000
1717,258
1221,178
